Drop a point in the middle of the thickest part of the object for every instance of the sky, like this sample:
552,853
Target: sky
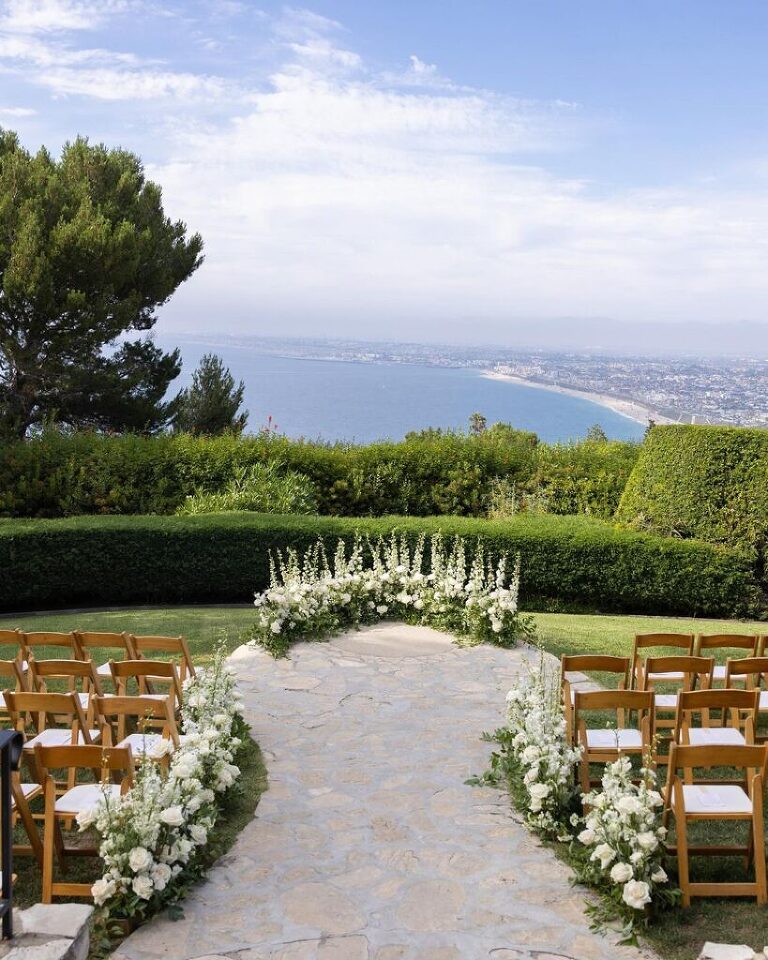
453,170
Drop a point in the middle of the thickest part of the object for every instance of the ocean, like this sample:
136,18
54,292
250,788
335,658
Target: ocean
363,402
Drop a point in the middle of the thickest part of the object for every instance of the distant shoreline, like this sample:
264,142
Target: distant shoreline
625,408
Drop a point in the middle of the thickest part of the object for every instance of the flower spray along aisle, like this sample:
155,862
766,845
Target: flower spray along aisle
620,849
153,835
534,757
460,590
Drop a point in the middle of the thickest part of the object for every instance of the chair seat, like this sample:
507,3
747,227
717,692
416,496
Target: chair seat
665,701
56,737
715,736
715,799
28,791
670,675
152,745
763,701
84,796
104,671
614,739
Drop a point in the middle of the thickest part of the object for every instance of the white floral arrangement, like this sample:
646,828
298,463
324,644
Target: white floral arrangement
539,749
312,597
620,848
150,834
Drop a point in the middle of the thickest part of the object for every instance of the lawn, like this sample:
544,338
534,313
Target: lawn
678,936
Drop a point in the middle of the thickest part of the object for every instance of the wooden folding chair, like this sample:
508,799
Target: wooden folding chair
735,726
686,673
658,641
146,645
147,674
76,673
13,639
57,720
113,712
580,664
753,673
38,643
750,646
603,745
21,795
691,801
89,641
79,798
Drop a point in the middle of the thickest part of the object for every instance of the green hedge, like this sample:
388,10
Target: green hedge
704,482
567,562
432,473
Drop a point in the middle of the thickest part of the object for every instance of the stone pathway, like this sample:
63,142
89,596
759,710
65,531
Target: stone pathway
368,845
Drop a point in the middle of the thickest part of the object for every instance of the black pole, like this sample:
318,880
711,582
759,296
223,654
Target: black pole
11,745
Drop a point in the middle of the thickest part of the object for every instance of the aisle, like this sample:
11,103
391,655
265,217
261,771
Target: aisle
368,845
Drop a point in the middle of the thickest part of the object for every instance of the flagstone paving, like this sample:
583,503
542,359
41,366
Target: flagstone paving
368,845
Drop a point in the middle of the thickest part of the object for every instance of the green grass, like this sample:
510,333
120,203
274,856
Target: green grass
677,936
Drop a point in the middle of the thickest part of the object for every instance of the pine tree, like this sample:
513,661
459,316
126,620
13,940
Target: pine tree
211,404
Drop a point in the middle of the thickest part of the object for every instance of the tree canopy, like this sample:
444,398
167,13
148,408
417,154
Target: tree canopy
211,405
87,255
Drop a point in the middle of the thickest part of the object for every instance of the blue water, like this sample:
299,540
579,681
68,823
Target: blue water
363,402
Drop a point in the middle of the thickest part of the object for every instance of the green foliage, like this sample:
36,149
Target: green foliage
705,482
262,488
86,256
567,562
433,472
212,403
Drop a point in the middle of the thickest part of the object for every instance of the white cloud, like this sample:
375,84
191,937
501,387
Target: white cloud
46,16
17,112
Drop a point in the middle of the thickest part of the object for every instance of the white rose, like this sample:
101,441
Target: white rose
103,890
382,609
185,765
140,859
531,753
659,875
621,872
587,837
161,874
173,816
142,886
647,840
199,834
636,894
539,790
629,805
604,853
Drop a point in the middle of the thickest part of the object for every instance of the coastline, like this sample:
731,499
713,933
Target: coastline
626,408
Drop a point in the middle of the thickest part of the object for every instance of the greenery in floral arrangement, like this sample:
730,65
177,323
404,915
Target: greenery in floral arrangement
464,591
620,850
534,754
153,837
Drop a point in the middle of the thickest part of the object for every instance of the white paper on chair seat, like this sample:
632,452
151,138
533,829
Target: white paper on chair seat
614,739
85,700
666,701
84,796
27,790
671,675
720,736
714,799
763,700
104,670
56,737
152,745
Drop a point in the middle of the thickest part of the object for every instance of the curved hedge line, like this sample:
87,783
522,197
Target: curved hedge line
567,562
705,482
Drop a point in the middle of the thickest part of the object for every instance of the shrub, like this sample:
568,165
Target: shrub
262,488
429,473
705,482
572,563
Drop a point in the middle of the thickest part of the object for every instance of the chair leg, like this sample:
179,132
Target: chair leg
758,837
25,815
681,829
48,840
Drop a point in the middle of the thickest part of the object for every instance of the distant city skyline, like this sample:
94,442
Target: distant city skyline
538,174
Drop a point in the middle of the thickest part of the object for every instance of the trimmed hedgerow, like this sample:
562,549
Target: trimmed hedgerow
704,482
430,473
572,563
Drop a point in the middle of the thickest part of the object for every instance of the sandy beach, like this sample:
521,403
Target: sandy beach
627,408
